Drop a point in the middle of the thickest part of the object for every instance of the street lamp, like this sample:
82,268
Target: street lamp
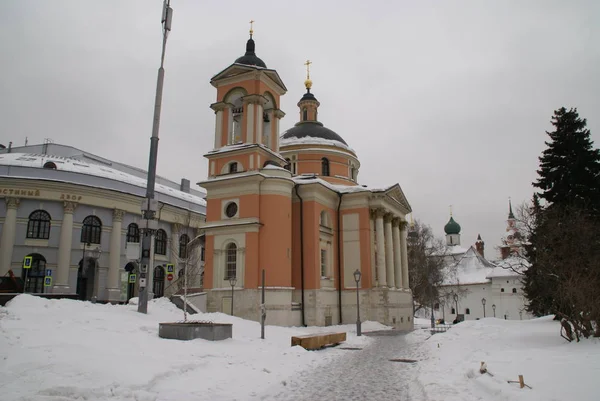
494,308
456,303
232,281
483,303
357,275
95,256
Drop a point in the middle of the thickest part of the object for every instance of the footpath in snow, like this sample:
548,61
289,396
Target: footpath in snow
58,350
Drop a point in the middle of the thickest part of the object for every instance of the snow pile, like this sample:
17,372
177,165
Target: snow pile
555,369
65,349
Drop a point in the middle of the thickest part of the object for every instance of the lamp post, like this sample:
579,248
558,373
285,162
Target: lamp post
494,309
456,304
232,281
357,275
150,205
95,256
483,303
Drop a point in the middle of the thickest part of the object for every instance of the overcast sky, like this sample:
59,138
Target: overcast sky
450,99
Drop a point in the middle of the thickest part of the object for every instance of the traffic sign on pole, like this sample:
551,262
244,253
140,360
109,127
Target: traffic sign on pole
27,262
170,276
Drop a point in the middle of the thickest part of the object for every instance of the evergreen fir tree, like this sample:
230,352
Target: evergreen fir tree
569,172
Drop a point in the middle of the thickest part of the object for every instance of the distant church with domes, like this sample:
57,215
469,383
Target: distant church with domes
291,205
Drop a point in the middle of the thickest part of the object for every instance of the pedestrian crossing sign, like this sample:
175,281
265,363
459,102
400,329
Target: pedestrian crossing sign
132,278
27,262
170,268
47,281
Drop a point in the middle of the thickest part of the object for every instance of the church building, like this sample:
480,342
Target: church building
291,205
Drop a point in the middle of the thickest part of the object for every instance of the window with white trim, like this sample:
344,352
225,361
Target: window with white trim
230,261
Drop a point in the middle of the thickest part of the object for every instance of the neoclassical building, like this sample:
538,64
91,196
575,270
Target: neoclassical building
291,205
74,216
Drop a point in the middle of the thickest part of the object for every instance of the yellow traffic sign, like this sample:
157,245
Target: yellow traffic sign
27,262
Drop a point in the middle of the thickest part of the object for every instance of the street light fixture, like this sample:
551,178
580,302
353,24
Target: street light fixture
95,256
456,303
494,308
357,276
483,301
232,282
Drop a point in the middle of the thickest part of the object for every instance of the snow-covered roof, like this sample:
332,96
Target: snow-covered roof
451,250
512,266
472,268
33,160
313,141
242,146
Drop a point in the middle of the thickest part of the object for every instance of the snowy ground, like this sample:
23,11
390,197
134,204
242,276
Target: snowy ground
56,350
554,368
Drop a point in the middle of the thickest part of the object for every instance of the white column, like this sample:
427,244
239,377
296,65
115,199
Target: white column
389,251
250,123
63,268
230,139
379,238
7,242
114,260
259,123
373,261
403,250
218,128
397,253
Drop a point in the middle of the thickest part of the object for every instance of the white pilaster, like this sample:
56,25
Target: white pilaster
373,261
259,124
114,261
218,128
7,242
379,238
397,253
405,283
389,251
250,123
65,245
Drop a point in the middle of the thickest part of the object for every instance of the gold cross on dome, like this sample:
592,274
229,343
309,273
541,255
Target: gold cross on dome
251,30
450,210
307,64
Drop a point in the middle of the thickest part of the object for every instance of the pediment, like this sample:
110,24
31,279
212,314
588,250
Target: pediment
396,193
240,70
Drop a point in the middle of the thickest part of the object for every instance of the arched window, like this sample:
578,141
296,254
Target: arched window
436,306
304,114
231,261
233,167
324,166
514,290
268,109
50,165
468,311
133,233
288,164
34,283
501,289
39,225
91,230
352,173
183,242
160,242
453,311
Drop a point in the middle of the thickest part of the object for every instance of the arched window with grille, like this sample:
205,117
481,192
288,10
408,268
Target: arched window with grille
231,261
184,239
468,311
39,225
324,166
514,290
91,230
133,233
34,282
160,242
233,168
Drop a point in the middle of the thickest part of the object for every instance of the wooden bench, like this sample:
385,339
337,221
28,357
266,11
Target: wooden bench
317,341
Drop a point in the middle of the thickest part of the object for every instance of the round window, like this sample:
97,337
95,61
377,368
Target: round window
231,209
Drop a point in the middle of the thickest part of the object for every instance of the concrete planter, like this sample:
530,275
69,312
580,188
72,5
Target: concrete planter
192,330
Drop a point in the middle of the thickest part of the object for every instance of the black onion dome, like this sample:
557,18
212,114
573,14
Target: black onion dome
308,96
250,57
312,129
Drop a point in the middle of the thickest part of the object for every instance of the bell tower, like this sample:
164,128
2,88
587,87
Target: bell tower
248,226
247,114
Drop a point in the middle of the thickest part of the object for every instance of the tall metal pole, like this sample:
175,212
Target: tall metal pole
358,324
232,285
263,308
149,206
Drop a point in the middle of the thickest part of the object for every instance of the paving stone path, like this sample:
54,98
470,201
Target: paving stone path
366,374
